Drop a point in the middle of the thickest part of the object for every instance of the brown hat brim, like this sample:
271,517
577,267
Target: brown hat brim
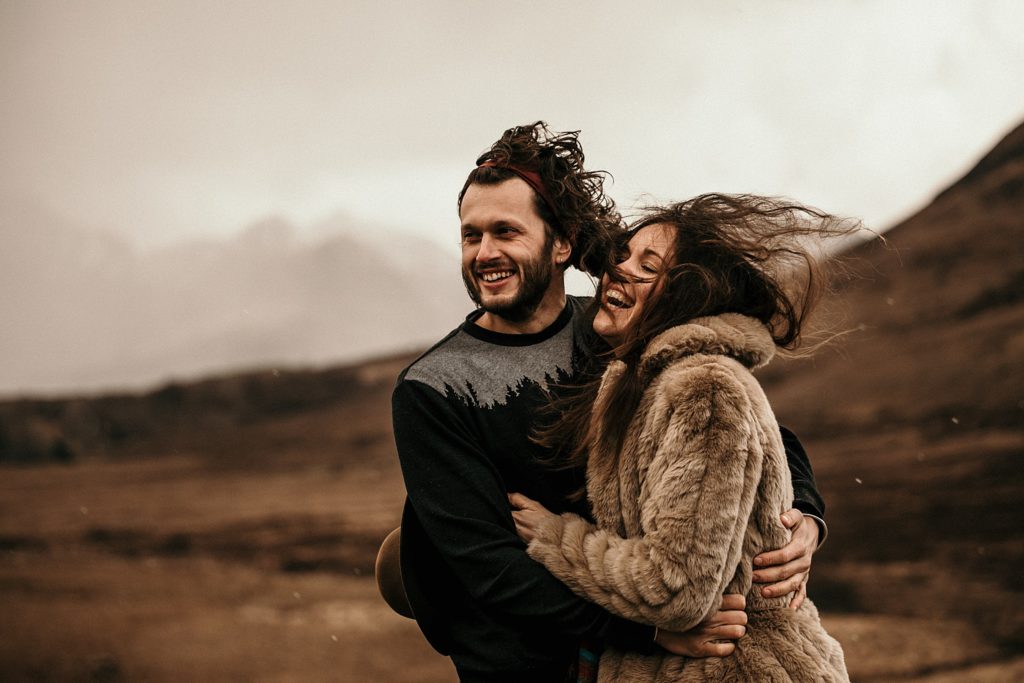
388,570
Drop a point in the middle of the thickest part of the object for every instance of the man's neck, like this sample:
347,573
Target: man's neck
547,312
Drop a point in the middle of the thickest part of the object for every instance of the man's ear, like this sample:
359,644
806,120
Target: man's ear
563,250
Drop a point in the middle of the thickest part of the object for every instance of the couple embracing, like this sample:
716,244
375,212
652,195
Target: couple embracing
598,488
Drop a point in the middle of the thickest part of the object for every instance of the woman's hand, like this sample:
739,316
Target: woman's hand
527,514
786,570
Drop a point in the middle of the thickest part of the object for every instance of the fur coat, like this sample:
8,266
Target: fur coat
695,492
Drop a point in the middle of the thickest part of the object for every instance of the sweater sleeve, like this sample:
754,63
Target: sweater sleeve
460,500
806,498
700,492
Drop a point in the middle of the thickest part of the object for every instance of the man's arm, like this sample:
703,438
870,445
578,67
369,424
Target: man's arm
787,569
459,498
806,497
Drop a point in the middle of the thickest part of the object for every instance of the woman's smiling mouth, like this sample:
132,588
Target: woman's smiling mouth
617,299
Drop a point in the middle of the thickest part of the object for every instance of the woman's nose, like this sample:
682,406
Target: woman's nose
629,271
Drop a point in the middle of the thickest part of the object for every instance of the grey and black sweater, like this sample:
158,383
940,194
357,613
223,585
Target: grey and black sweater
463,414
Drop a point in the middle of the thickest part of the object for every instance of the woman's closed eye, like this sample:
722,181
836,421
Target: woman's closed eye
652,268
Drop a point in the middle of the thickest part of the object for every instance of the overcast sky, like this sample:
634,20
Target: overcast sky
167,120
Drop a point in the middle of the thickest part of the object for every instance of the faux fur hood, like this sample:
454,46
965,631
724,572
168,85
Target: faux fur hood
729,334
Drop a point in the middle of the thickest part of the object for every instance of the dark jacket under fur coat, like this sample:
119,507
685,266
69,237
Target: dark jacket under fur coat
696,491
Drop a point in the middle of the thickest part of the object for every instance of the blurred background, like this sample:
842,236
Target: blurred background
226,227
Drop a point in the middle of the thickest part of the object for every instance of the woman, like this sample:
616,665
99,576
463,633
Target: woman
686,472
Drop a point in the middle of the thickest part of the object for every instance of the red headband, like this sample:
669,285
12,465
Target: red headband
532,178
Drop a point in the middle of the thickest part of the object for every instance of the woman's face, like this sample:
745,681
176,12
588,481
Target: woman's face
647,255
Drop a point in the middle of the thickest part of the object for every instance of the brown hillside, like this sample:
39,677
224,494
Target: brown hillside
915,421
941,318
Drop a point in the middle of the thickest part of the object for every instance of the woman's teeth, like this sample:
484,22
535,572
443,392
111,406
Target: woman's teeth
616,299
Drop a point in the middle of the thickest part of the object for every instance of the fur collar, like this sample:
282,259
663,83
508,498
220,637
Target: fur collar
729,334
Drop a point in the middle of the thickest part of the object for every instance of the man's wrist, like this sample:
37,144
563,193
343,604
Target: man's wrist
822,528
630,635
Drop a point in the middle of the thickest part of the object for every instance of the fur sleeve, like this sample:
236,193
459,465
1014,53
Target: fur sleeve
697,497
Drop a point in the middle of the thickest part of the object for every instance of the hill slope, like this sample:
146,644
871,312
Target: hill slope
942,317
915,423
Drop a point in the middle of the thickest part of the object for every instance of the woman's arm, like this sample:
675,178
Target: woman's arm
700,488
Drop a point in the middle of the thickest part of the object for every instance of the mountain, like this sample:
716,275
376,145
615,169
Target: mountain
915,419
937,318
84,310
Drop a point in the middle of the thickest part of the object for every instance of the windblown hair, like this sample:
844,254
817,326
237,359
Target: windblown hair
583,215
758,256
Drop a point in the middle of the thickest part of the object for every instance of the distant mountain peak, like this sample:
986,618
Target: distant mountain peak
272,231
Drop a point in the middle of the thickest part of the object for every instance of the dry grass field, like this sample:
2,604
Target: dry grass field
172,569
166,571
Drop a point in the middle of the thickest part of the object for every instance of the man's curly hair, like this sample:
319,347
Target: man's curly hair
583,215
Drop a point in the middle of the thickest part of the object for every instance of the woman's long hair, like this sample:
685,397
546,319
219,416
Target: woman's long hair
762,257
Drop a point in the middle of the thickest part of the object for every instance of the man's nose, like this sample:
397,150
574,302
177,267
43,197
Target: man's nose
488,248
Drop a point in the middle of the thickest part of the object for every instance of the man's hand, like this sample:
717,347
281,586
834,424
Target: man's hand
787,570
712,637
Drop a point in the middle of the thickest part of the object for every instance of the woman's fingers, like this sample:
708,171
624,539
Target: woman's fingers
523,528
518,500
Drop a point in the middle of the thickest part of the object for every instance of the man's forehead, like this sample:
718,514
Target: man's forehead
511,199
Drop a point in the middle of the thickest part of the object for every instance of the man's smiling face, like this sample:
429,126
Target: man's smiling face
509,256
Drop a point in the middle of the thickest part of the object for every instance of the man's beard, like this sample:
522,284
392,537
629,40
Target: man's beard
534,279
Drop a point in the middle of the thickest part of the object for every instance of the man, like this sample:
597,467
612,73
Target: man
464,411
